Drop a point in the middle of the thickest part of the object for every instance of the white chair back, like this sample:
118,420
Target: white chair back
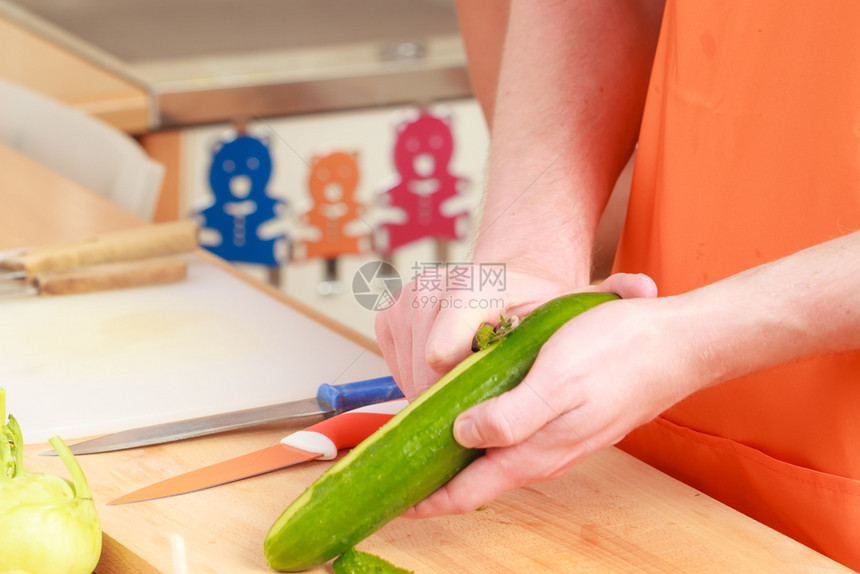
80,147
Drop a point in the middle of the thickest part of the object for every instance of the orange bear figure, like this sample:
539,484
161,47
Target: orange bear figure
332,183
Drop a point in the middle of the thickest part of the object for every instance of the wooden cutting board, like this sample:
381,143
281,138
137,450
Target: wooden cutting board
146,355
88,364
611,514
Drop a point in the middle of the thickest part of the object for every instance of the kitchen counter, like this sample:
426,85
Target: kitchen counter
611,514
204,61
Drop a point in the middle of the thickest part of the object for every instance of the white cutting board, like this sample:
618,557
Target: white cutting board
82,365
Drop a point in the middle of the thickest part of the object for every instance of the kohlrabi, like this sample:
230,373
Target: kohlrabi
48,525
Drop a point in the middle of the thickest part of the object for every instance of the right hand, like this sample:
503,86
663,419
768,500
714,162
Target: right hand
425,334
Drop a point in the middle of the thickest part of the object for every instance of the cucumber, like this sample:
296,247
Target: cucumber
414,453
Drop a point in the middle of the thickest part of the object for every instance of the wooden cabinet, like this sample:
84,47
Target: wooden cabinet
31,60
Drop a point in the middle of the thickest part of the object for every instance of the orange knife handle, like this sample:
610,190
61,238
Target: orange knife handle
345,430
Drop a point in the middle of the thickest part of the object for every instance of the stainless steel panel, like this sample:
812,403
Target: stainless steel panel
209,61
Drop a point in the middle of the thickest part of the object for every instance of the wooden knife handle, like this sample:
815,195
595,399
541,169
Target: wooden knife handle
108,276
136,243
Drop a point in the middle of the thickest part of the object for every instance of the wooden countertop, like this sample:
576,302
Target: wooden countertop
41,207
611,514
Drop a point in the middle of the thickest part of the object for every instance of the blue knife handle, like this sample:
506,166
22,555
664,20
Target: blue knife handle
350,396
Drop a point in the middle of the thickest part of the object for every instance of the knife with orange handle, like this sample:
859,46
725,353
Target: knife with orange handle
139,256
321,441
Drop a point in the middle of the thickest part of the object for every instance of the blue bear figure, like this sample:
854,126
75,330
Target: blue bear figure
238,176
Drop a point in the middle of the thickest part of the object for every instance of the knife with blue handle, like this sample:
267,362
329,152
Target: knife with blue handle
330,400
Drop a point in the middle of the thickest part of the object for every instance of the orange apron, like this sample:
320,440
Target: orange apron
750,151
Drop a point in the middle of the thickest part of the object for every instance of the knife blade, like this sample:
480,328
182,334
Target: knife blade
330,399
321,441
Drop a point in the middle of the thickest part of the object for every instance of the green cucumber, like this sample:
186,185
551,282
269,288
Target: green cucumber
414,453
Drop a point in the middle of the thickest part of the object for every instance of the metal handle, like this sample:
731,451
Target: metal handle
112,276
131,244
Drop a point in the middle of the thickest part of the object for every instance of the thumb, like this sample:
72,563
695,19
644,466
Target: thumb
505,420
450,338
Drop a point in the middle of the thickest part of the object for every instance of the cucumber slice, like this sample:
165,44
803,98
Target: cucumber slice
357,562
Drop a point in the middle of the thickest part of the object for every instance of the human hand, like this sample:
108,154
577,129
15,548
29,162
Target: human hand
571,404
425,334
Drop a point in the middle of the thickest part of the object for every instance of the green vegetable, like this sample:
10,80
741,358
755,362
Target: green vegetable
414,453
48,525
356,562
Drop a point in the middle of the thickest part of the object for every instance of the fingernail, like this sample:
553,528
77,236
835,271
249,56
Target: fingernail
466,433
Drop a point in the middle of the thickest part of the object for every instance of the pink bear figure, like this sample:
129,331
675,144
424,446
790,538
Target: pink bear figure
422,152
